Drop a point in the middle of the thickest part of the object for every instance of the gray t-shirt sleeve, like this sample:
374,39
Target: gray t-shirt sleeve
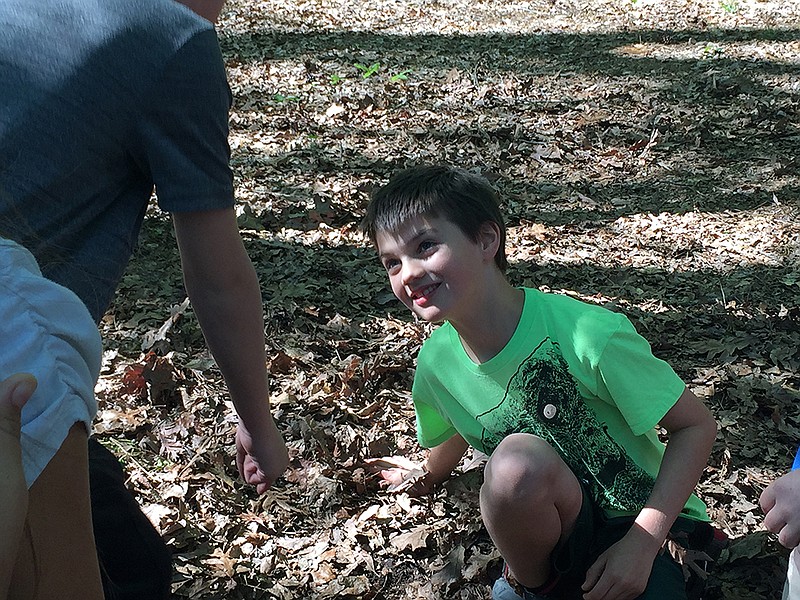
184,130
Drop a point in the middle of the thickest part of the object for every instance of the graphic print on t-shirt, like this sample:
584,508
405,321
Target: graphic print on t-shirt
542,398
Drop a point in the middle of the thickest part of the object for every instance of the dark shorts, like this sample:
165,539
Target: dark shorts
135,563
594,533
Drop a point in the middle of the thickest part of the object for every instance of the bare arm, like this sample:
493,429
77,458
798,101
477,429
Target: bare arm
691,430
444,458
224,289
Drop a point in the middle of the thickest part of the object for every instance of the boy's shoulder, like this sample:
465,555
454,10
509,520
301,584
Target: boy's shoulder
581,329
570,308
571,321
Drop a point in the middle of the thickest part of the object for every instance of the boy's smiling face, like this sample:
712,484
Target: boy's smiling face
433,267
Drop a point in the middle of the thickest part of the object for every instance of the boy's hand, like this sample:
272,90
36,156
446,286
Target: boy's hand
260,461
399,474
781,504
622,571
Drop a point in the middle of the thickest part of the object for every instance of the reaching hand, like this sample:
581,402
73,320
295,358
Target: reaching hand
781,504
260,461
399,474
622,571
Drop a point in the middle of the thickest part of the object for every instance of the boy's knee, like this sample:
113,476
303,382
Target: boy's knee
523,467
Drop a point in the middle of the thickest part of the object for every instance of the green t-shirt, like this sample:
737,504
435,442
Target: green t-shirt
574,374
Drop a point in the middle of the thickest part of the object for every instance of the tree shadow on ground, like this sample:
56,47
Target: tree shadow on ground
549,118
708,74
542,201
579,51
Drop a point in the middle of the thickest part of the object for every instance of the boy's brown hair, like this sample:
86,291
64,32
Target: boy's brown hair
464,198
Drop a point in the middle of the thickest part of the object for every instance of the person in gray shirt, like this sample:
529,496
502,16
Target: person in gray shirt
101,103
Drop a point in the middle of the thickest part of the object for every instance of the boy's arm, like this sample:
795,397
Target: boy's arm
443,459
623,570
224,289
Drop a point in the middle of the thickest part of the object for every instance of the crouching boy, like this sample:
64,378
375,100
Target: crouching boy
579,494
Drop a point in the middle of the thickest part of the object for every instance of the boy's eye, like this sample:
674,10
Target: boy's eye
426,246
391,264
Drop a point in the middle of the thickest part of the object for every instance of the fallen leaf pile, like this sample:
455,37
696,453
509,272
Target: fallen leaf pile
646,153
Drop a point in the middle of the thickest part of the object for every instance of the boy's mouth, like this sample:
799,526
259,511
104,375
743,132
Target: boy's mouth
421,295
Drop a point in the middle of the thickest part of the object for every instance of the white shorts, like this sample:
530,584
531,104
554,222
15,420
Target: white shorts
47,331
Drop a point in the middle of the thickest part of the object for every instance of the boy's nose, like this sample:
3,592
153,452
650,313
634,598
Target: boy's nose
411,271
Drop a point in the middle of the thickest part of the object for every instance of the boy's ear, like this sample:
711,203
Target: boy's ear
489,239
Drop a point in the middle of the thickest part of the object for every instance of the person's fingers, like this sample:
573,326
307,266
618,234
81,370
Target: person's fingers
789,535
391,475
262,488
775,520
17,389
593,575
767,499
14,393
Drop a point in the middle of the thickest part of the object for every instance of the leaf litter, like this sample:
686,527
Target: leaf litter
646,153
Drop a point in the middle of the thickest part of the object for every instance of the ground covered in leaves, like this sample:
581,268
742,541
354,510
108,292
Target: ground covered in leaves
647,156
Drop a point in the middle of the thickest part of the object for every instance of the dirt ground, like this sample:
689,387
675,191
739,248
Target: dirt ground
646,152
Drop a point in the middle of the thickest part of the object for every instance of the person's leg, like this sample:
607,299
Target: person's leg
57,558
529,501
14,392
134,559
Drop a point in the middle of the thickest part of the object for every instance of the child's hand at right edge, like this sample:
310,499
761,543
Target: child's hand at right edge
781,505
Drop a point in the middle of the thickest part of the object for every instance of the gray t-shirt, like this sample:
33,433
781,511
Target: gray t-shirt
100,101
